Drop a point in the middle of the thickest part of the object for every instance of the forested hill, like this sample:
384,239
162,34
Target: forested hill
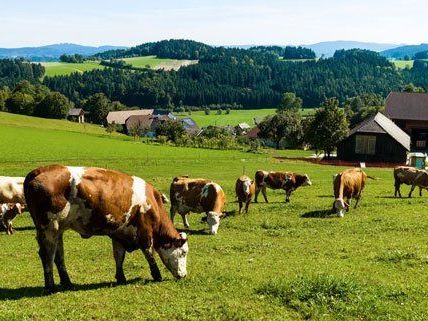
254,77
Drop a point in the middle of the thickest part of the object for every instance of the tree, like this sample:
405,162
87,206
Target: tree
286,125
4,95
53,105
328,127
98,106
20,103
289,101
411,88
172,129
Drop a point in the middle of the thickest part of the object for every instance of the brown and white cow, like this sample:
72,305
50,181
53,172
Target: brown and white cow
288,181
12,200
409,176
8,211
245,190
199,196
96,201
347,185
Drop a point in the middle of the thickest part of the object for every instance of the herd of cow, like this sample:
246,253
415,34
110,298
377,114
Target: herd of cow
95,201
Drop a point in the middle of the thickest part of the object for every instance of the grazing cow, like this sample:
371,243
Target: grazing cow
287,181
8,211
245,190
12,200
410,176
199,196
348,184
95,201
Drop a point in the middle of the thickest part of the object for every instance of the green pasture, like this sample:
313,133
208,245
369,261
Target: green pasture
63,68
234,117
402,64
280,262
157,63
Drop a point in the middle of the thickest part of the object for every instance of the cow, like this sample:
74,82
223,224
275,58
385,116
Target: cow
245,190
409,176
347,185
8,211
12,200
96,201
287,181
197,195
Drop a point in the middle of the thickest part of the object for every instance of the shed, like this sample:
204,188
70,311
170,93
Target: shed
120,117
377,139
76,114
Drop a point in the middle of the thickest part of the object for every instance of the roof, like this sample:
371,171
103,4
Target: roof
119,117
244,126
75,112
407,106
380,124
142,121
253,133
189,122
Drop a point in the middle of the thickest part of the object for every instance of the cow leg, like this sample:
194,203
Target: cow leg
287,196
420,191
60,264
47,240
397,189
411,190
119,256
264,194
240,207
258,188
185,221
154,270
172,212
247,205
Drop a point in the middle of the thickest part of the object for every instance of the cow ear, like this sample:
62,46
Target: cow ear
179,242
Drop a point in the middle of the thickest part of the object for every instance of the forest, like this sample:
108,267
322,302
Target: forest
254,77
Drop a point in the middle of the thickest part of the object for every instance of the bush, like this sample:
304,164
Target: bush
207,111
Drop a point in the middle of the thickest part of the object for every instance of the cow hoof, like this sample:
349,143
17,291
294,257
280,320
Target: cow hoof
121,281
157,278
67,286
50,290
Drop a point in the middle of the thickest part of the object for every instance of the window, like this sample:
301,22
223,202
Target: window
420,144
365,144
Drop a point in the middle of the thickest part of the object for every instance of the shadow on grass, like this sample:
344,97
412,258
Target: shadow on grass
39,291
193,232
24,228
325,196
318,214
393,197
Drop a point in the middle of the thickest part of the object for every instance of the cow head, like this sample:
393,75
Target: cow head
174,256
213,220
307,181
340,207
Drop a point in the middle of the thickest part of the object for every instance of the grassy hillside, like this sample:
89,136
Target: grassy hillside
62,68
234,118
403,63
158,63
280,262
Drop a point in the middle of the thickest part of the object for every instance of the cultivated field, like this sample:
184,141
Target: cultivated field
280,262
235,117
62,68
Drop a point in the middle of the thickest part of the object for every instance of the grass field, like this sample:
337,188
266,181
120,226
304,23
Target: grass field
62,68
158,63
402,64
279,262
234,118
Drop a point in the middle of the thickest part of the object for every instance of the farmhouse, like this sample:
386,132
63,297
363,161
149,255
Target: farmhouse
146,123
410,112
120,117
376,139
76,114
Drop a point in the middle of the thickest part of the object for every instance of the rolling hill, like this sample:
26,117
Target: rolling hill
327,48
53,52
401,52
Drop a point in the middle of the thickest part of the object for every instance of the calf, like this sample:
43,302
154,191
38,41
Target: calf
12,200
95,201
409,176
245,190
8,211
347,185
198,196
287,181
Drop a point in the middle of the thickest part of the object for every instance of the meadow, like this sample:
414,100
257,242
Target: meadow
62,68
280,262
402,64
234,117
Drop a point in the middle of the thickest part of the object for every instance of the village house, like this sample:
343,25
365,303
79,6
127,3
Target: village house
410,112
77,115
377,139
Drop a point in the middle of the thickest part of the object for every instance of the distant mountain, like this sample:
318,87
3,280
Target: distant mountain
53,52
402,51
328,48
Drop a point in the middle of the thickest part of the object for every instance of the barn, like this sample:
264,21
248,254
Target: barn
376,139
410,112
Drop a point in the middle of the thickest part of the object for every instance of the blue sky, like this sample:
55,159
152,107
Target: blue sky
220,22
